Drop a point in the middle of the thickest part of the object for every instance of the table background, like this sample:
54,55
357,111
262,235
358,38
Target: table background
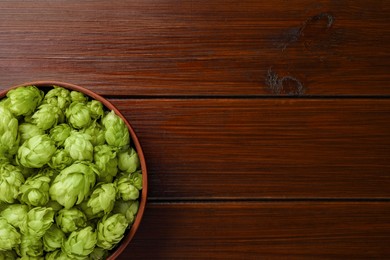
265,124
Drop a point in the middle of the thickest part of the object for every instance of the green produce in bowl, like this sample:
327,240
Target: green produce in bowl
70,181
10,237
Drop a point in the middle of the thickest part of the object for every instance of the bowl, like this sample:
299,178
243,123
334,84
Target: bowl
114,253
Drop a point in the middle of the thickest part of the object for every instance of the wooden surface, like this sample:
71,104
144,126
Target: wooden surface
265,124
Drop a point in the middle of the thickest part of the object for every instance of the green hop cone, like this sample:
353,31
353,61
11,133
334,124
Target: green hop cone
60,133
47,116
128,161
128,208
59,97
126,190
110,230
136,179
9,139
78,115
102,198
11,179
89,212
78,97
70,220
56,255
10,237
95,109
80,243
35,191
27,130
39,220
98,254
79,147
36,151
106,161
73,184
117,133
95,130
7,255
30,246
60,160
53,238
24,100
54,205
15,214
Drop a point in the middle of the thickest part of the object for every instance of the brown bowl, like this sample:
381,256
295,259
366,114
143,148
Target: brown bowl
133,137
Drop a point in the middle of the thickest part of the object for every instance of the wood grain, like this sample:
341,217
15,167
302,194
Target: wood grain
310,230
122,48
260,148
238,168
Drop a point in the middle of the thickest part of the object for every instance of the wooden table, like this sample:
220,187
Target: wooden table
265,124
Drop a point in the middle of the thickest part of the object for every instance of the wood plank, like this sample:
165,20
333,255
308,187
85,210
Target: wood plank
199,47
264,148
297,230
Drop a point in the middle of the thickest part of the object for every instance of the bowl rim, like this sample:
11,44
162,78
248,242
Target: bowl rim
133,137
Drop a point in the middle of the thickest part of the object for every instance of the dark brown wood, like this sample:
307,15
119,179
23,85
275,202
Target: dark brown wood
280,148
235,171
199,47
297,230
